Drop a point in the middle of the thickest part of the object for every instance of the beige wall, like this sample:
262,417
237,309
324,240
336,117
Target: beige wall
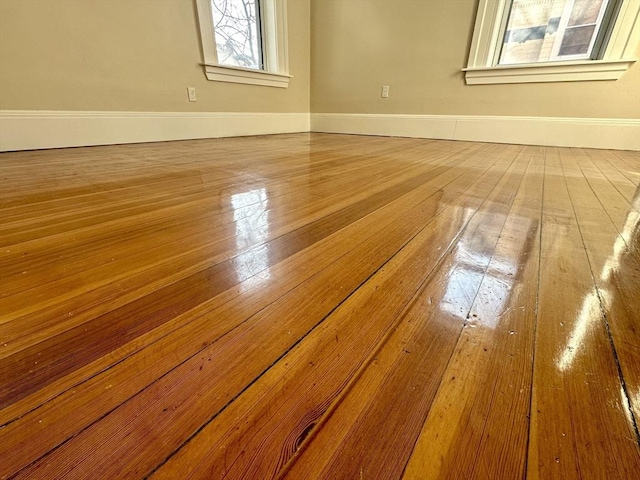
129,55
418,47
140,55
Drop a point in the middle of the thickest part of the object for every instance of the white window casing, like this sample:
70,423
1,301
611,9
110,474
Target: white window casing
275,53
482,68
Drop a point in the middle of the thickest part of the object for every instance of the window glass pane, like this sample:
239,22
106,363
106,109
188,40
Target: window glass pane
576,40
585,12
531,31
236,25
546,30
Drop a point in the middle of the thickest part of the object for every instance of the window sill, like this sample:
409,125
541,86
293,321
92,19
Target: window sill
576,71
224,73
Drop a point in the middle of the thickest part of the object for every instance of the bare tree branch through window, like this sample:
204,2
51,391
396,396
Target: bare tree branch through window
237,31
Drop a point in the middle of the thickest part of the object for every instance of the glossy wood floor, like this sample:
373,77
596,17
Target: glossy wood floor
320,306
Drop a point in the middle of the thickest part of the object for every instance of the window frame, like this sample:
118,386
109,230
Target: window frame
483,68
275,58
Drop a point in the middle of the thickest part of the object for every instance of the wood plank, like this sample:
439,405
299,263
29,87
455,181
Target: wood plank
179,222
628,163
49,174
140,227
227,367
36,365
409,201
615,200
287,422
63,419
197,190
156,255
372,431
615,268
478,424
602,160
319,306
580,425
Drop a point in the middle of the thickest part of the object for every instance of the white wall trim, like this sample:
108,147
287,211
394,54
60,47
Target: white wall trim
36,129
619,134
31,129
575,71
224,73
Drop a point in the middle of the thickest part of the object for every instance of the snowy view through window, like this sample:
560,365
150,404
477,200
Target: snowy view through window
236,24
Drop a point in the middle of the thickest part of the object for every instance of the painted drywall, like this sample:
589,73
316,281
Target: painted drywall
418,48
140,55
129,55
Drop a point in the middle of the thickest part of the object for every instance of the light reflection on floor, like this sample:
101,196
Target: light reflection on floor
251,216
589,313
498,279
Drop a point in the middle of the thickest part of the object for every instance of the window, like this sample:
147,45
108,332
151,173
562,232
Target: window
517,41
244,41
238,33
542,31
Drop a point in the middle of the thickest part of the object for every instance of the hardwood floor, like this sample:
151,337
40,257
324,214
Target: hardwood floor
320,306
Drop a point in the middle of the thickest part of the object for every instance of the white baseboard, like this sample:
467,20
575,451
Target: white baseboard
34,129
31,129
618,134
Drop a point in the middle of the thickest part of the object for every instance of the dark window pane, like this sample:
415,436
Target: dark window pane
576,40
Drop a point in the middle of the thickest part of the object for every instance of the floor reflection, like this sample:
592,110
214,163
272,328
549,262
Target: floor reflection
498,278
589,314
251,216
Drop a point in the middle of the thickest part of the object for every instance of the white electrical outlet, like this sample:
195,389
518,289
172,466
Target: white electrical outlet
385,91
191,91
